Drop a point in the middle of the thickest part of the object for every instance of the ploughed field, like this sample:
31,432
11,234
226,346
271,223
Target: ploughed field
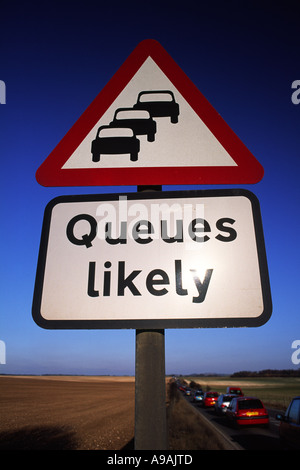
66,412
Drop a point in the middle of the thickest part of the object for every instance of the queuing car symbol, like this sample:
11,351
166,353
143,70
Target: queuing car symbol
119,137
139,121
159,103
112,140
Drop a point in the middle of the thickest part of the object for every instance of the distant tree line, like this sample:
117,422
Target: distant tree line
268,373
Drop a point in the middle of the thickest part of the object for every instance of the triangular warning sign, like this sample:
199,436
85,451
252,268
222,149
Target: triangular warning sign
149,125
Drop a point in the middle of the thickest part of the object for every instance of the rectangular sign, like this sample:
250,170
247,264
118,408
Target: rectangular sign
153,260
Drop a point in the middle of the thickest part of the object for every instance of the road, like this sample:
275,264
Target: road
248,438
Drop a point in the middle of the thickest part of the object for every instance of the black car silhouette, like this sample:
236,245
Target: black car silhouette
139,120
112,140
159,103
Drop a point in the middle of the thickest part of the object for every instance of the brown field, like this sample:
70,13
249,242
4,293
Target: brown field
72,413
87,413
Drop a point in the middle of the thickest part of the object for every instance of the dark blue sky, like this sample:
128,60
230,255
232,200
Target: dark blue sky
55,59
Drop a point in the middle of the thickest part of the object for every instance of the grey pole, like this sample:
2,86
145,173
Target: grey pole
150,389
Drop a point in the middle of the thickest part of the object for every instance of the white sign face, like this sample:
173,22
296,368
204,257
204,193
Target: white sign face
154,260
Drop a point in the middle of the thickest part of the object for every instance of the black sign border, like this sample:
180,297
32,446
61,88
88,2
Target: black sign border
154,324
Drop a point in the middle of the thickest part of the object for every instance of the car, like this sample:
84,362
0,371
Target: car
182,387
198,396
289,429
210,398
113,141
222,403
159,103
247,411
139,120
234,391
187,392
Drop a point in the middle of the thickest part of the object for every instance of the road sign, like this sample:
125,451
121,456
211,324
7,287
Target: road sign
150,125
152,260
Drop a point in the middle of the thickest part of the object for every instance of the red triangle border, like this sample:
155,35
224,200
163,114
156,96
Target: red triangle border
247,171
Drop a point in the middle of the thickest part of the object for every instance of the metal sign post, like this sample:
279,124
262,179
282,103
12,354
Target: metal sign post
150,391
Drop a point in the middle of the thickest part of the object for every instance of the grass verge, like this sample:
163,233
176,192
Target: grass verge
187,430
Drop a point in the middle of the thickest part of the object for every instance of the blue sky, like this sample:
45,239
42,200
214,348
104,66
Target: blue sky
55,59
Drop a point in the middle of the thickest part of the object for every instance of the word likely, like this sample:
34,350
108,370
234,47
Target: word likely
156,281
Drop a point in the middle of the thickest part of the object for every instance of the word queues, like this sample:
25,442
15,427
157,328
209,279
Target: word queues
142,230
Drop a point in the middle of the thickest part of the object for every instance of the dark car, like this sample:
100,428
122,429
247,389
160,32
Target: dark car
159,103
139,120
289,430
247,411
113,141
222,403
198,396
